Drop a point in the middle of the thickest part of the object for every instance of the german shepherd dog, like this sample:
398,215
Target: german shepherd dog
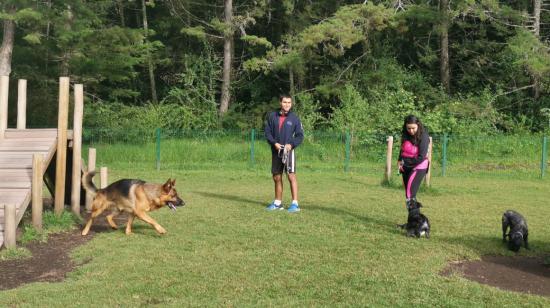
519,232
135,197
417,223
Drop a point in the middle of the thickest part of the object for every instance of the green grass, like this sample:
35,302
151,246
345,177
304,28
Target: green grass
16,253
224,249
51,223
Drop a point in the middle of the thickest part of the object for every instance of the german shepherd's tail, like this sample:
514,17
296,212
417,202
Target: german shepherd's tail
87,182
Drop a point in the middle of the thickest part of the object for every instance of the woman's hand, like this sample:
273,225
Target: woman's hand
400,166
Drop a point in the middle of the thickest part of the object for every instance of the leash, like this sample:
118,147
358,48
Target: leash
284,157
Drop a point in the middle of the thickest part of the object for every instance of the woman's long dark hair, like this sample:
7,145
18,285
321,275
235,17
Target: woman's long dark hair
415,139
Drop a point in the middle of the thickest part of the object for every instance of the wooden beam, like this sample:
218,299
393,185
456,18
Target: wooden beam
428,179
61,162
104,177
91,167
22,104
77,147
37,183
4,89
389,150
10,226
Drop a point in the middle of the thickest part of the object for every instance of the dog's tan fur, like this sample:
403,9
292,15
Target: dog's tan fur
132,196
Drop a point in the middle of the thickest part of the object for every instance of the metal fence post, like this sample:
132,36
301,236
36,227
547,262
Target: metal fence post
444,155
544,154
252,141
348,148
158,148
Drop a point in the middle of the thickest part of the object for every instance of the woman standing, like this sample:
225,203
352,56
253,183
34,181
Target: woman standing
413,157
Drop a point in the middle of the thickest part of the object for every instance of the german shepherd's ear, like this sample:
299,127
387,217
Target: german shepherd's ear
167,186
173,182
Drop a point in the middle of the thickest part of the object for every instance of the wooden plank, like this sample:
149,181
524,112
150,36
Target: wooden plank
20,154
19,165
17,185
13,192
24,147
10,172
43,141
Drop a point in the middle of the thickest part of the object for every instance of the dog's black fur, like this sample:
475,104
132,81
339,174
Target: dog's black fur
417,223
518,230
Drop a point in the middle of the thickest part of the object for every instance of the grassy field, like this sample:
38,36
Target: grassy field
224,249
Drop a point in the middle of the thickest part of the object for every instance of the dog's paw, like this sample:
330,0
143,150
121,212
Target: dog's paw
161,230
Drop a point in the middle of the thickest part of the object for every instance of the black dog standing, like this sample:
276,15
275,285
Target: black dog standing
518,230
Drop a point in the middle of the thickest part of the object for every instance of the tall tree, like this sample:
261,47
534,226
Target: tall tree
444,68
12,11
536,32
7,44
227,56
149,58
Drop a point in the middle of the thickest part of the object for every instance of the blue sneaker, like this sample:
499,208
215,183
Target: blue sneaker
274,207
293,208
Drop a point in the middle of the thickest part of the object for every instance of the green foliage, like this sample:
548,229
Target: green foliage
308,109
530,53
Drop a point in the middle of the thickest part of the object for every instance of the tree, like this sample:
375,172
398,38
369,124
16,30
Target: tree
13,11
149,59
227,56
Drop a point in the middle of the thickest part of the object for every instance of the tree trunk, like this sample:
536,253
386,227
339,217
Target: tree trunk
444,70
149,58
227,57
7,47
67,54
121,13
536,30
291,78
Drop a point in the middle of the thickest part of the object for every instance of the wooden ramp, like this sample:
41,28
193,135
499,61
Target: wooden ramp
16,151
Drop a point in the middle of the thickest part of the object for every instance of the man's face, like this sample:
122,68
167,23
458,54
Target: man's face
286,104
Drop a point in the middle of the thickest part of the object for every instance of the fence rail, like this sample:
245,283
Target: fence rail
452,155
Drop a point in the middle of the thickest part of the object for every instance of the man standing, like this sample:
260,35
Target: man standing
284,133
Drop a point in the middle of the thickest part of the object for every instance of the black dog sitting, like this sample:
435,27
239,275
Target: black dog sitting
417,223
518,230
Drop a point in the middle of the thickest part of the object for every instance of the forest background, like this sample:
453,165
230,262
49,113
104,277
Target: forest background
463,66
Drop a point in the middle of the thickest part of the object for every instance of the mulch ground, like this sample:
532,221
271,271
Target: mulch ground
50,261
520,274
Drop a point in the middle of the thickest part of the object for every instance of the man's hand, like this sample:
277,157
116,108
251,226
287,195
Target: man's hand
278,146
288,147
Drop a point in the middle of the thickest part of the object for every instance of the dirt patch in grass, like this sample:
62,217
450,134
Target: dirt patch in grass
520,274
50,261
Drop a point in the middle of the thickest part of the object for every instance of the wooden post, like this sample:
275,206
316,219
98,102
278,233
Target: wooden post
429,173
61,162
9,225
104,177
4,88
387,176
77,148
22,104
91,167
37,183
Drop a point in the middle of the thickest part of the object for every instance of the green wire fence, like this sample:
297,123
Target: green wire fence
452,155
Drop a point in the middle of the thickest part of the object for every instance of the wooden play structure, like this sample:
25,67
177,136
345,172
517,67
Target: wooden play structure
26,155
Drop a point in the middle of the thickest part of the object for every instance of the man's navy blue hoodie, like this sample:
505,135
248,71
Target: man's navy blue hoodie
291,132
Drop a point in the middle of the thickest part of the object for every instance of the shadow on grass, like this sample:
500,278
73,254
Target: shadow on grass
229,198
493,245
383,224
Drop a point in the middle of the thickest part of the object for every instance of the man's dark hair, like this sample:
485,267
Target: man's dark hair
284,95
411,119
